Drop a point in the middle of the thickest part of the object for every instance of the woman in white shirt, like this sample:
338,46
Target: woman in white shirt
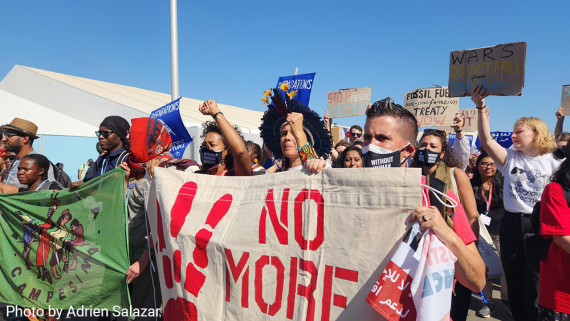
527,169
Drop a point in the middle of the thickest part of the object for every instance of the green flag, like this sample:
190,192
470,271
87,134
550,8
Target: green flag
60,249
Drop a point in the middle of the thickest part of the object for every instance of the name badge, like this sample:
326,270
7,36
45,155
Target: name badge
486,219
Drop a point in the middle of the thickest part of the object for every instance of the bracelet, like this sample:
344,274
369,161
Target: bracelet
149,249
306,152
481,107
459,131
216,114
278,167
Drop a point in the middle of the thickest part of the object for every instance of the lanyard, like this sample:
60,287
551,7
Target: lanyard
490,197
41,185
103,169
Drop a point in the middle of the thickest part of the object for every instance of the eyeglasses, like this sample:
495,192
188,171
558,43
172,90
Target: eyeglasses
485,164
355,134
9,157
437,131
9,135
104,133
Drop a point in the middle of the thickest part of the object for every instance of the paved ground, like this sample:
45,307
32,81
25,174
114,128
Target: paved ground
501,311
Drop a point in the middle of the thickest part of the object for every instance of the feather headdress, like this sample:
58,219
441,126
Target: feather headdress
275,118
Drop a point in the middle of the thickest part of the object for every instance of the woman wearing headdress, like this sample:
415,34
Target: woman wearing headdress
294,133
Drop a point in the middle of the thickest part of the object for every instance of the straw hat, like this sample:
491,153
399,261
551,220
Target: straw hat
23,126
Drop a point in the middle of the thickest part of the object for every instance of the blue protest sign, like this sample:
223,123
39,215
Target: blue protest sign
302,83
170,116
503,138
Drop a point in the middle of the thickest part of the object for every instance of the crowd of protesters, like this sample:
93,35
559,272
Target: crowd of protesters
494,184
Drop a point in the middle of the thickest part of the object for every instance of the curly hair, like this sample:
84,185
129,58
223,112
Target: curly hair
342,156
543,140
212,127
448,159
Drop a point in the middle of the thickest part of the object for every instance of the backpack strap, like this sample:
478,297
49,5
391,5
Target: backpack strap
442,187
122,158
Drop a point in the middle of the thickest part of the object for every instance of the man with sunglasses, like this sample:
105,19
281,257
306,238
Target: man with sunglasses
112,135
355,133
18,137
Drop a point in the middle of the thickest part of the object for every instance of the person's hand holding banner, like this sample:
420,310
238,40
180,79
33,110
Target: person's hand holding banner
478,97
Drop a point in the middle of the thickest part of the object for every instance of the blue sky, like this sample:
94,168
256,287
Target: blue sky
231,51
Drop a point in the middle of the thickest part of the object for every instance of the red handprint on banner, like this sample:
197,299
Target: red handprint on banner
180,308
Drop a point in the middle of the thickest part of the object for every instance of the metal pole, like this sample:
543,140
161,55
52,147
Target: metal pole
174,48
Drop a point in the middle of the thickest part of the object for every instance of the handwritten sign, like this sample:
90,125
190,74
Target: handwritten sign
499,69
348,102
566,99
432,106
277,247
470,118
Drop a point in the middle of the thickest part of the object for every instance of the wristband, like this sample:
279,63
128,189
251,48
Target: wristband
306,152
481,107
278,167
216,114
149,249
459,131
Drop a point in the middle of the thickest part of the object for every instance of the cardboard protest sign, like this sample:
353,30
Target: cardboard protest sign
301,83
170,116
566,99
348,102
432,106
499,69
288,245
62,250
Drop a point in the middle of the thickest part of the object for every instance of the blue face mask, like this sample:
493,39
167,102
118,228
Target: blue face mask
378,157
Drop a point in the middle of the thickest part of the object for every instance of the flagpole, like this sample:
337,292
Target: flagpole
174,49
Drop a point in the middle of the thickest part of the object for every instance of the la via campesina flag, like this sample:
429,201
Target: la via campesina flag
60,249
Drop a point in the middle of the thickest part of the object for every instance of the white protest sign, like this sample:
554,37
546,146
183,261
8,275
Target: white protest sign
277,247
432,106
348,102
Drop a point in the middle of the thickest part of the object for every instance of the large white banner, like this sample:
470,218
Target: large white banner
285,246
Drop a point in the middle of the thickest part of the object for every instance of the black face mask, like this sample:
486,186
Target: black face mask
378,157
428,158
210,158
560,153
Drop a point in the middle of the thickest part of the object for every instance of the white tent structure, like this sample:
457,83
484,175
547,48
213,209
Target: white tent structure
69,109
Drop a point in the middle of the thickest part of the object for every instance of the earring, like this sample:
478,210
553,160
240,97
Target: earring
255,160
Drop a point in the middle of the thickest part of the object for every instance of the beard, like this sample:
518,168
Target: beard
13,147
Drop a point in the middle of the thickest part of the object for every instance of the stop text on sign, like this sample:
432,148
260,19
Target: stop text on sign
348,102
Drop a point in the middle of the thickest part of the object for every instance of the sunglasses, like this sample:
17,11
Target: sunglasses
104,133
437,131
9,135
485,164
10,157
355,135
